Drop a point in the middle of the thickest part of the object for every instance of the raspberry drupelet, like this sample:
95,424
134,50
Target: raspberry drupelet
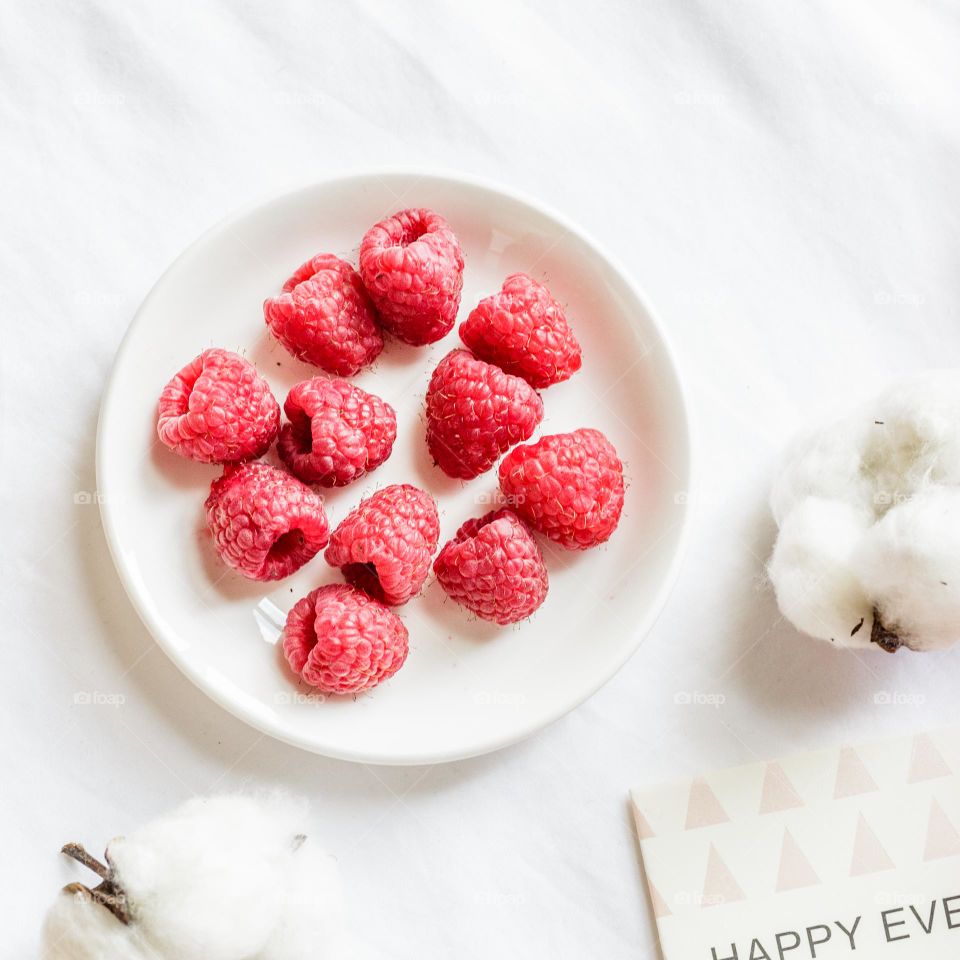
568,486
476,412
384,545
218,409
341,641
337,432
325,317
524,331
265,524
494,568
412,267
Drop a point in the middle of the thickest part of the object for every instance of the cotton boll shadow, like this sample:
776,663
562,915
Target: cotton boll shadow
776,666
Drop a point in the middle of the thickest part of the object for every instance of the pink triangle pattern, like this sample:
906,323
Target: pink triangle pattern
795,870
644,831
703,807
778,792
869,855
660,908
926,761
853,778
719,886
942,837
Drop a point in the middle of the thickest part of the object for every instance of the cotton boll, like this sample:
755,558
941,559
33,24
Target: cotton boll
225,878
825,463
311,924
207,881
915,440
811,571
77,928
895,465
910,562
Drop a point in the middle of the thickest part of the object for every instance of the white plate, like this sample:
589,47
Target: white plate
467,687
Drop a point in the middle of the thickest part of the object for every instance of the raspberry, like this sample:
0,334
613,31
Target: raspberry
475,412
218,409
568,486
341,641
493,567
265,523
337,432
524,331
412,266
385,544
324,317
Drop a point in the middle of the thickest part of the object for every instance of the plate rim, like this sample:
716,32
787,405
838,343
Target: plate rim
158,632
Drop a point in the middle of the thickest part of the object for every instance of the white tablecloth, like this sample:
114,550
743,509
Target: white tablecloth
782,178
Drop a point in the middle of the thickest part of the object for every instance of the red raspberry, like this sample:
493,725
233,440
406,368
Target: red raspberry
218,409
337,432
568,486
340,641
493,567
325,317
412,266
385,545
524,331
265,523
475,412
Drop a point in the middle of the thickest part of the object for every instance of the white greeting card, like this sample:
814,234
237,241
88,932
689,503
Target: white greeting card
845,853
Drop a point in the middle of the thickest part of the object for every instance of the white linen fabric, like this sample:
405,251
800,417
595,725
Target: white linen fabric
780,177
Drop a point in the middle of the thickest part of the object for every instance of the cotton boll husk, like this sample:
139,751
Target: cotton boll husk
824,463
207,881
77,928
811,571
311,925
910,562
916,442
